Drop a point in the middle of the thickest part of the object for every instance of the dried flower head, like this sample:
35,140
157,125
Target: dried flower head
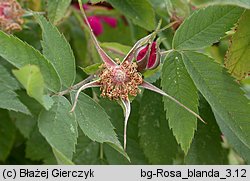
10,15
120,81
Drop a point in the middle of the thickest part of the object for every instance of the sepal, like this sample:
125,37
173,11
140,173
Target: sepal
153,88
94,83
126,109
148,56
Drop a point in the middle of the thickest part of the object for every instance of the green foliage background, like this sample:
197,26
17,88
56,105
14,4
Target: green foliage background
206,68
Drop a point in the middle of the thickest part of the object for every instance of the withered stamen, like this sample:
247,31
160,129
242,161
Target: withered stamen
121,81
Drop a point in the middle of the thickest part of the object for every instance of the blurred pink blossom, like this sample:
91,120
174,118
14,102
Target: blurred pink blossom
96,22
96,25
112,22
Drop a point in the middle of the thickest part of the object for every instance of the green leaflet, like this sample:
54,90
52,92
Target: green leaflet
177,82
57,9
160,7
37,148
179,8
222,93
241,3
7,134
205,27
133,150
26,123
140,11
24,54
233,139
61,158
87,151
31,34
238,56
9,100
8,97
206,148
58,51
95,123
92,69
7,79
32,80
156,138
59,127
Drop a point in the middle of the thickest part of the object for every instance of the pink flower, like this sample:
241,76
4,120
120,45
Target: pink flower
112,22
2,10
96,22
96,25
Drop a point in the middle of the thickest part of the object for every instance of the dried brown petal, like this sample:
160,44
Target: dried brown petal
120,81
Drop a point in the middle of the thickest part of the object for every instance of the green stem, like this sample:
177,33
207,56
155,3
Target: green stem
166,52
78,85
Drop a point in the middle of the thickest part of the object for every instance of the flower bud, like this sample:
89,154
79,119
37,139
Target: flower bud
148,56
154,57
142,56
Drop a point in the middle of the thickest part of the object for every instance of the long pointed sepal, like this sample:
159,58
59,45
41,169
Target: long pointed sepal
130,56
153,88
105,58
85,86
144,41
127,110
